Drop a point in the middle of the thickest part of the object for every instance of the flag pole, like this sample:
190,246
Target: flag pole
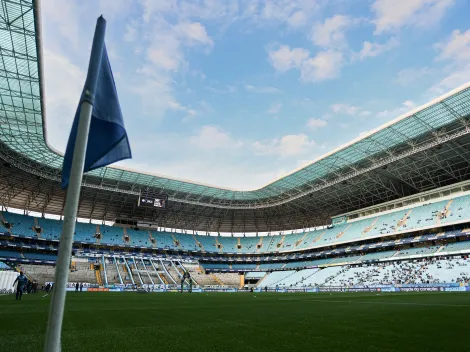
56,310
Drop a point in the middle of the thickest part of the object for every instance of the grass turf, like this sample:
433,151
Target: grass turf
242,322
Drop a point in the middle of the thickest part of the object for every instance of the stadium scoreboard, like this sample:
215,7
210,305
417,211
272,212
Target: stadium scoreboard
150,199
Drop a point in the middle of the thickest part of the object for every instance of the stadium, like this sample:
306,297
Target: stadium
368,223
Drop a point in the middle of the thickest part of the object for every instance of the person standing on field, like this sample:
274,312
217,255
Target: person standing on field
22,281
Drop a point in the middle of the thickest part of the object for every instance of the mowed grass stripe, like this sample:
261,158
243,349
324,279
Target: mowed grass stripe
242,322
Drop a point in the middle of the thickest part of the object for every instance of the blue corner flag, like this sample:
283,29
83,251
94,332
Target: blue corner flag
107,137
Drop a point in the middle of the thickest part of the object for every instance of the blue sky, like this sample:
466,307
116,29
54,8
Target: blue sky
238,93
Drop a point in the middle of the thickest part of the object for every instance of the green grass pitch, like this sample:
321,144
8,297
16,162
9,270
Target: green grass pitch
242,322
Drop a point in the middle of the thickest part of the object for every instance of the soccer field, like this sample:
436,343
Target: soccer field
242,322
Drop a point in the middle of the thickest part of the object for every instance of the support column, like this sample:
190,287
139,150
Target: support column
242,280
104,270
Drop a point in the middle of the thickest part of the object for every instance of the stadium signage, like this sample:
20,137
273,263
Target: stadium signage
149,199
98,289
420,289
338,221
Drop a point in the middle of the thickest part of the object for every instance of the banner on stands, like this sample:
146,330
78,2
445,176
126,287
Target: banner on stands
98,289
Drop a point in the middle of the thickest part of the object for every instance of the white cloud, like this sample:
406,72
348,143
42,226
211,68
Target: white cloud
286,58
151,7
131,32
275,108
194,33
390,16
330,34
60,102
456,48
411,75
314,123
214,138
286,146
294,13
347,109
165,53
176,106
456,78
374,49
261,89
324,65
391,114
166,48
298,19
455,52
61,23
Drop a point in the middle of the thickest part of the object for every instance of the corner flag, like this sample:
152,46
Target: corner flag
98,138
107,137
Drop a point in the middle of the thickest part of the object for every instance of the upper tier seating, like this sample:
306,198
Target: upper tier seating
422,216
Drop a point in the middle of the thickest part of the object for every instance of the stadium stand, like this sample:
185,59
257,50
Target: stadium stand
426,271
414,218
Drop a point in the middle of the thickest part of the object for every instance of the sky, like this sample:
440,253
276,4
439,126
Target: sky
236,93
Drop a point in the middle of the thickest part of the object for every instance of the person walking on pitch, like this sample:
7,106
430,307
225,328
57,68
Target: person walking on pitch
22,281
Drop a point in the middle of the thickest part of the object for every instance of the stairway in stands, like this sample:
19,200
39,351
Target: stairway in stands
99,280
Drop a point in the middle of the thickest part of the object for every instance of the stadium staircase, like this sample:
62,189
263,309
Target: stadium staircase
199,244
239,245
301,240
402,221
216,279
137,271
416,272
114,276
152,239
307,277
219,245
260,244
316,239
261,280
36,224
156,273
278,282
175,273
280,244
3,220
125,236
341,234
99,280
147,272
127,274
163,278
84,272
445,214
175,241
98,238
370,227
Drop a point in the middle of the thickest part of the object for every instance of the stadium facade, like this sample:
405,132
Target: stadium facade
400,192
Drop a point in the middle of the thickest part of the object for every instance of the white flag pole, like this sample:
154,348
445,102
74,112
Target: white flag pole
56,310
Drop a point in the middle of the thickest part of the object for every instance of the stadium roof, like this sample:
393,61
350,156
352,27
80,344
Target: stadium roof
359,165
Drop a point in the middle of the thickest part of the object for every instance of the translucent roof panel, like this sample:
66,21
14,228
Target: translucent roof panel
22,123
